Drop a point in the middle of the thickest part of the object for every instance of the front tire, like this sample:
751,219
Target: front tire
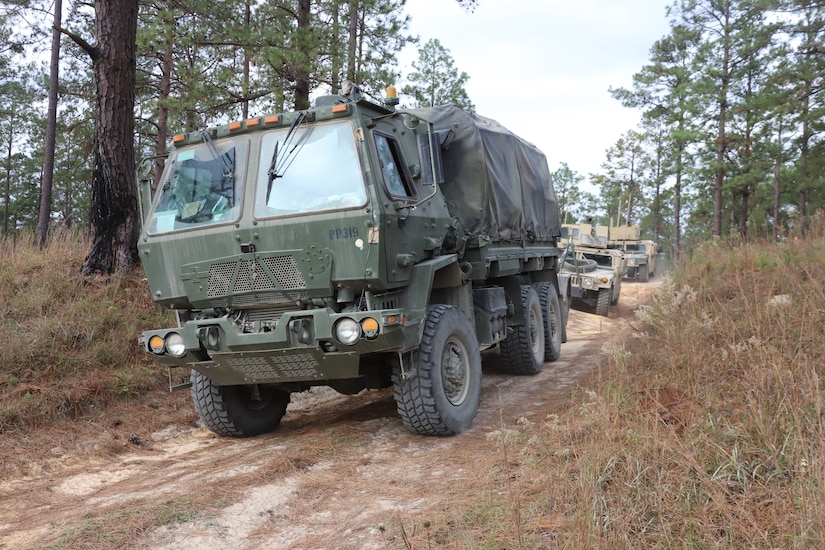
237,411
603,301
441,395
617,290
551,308
523,349
643,276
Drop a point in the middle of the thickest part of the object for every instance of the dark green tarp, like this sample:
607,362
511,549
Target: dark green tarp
496,183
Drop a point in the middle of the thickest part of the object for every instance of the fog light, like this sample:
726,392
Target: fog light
213,338
175,345
156,345
370,328
347,331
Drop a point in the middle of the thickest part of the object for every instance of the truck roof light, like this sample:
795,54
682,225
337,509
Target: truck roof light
252,122
340,108
234,125
179,138
272,119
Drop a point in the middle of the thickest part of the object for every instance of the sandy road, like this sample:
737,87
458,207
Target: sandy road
336,470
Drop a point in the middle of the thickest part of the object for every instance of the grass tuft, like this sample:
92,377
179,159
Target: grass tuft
70,342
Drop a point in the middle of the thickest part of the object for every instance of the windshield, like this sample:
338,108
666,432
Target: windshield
316,169
201,186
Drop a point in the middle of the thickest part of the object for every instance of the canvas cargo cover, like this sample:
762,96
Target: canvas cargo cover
496,183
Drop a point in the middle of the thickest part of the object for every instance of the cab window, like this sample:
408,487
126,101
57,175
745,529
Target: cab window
201,186
396,181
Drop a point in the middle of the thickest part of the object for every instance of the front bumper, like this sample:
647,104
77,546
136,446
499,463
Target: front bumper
301,347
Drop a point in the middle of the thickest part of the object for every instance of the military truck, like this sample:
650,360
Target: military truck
353,245
595,275
640,255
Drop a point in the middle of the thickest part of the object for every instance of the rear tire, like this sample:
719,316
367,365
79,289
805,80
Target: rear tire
441,395
603,301
551,310
237,411
523,349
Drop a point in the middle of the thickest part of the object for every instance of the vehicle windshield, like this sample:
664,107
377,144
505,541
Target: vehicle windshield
202,186
317,170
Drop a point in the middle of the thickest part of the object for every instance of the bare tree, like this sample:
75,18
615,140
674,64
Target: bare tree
51,132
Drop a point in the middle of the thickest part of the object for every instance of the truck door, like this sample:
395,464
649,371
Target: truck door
405,231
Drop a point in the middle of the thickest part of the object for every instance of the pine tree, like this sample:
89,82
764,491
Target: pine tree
435,80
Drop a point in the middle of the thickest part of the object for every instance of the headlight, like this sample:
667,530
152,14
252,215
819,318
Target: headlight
347,331
175,345
587,282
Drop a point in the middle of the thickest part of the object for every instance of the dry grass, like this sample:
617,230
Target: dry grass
69,342
708,432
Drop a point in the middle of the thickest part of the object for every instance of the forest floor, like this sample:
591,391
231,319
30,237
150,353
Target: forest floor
340,471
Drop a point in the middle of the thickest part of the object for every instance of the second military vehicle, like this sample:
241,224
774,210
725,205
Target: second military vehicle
357,246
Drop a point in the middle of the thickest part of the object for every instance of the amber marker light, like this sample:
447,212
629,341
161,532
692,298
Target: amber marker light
272,119
340,108
156,344
369,327
179,138
234,125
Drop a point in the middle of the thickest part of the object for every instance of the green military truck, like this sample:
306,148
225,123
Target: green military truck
352,245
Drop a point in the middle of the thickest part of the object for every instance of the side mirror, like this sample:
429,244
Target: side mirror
144,178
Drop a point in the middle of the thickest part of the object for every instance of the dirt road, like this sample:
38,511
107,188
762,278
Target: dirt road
335,474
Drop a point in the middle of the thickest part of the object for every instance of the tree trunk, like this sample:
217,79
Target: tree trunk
163,97
7,194
352,39
114,206
777,183
302,69
721,137
45,213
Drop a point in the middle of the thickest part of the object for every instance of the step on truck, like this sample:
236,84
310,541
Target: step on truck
353,245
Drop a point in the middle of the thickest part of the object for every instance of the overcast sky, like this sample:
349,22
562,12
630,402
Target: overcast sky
542,68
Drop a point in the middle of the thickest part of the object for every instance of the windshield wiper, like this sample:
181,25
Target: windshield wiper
227,181
274,165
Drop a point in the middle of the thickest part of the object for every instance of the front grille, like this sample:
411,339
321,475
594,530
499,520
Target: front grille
258,281
286,271
301,365
220,279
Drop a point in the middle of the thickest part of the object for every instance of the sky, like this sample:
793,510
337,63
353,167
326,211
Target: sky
542,68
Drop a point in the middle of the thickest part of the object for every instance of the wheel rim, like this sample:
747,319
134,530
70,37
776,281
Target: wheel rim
551,322
454,371
536,330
